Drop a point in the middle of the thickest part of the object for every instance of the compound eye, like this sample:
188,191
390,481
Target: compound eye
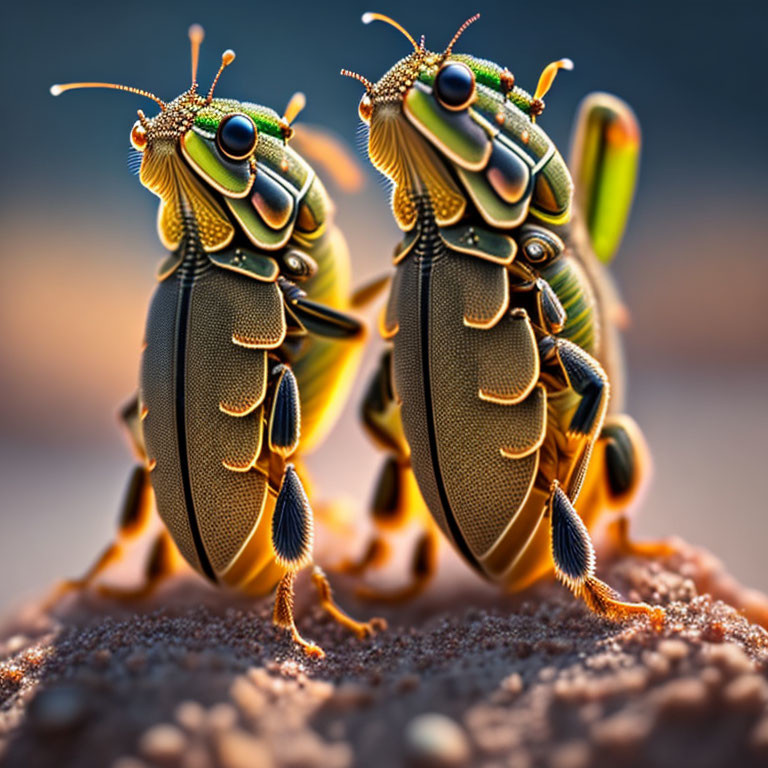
237,136
455,85
138,137
365,108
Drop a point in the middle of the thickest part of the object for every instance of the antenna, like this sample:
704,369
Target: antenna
364,80
58,89
196,37
369,17
459,33
226,59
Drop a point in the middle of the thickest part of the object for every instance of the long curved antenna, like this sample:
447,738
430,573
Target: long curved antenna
459,33
369,17
58,89
196,37
364,80
226,59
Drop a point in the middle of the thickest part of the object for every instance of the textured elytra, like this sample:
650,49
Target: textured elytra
242,394
157,394
255,312
508,361
484,293
227,504
483,487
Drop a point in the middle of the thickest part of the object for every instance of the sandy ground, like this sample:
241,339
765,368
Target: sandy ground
463,677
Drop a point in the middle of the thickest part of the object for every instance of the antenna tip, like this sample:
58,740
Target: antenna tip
56,90
566,64
368,17
196,34
227,57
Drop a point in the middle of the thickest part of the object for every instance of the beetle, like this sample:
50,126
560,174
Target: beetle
247,346
494,393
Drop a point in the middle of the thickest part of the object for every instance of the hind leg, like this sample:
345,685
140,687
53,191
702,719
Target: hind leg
622,459
422,570
135,518
396,499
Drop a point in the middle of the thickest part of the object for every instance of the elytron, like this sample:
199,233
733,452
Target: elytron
240,366
500,393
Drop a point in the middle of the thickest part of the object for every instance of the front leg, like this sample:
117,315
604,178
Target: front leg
586,377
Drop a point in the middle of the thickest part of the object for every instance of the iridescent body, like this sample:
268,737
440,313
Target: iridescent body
247,348
496,393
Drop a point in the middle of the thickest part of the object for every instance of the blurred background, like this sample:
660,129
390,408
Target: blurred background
79,248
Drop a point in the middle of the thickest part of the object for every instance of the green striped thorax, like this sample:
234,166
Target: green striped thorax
222,162
458,129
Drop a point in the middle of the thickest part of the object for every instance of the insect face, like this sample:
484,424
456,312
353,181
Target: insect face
199,155
455,128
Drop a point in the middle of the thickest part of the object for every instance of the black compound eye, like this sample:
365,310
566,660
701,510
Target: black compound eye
236,136
455,85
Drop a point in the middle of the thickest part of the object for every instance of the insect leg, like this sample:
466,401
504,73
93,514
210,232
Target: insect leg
396,500
292,532
574,560
283,615
626,455
381,418
292,540
160,564
586,377
360,628
135,513
423,568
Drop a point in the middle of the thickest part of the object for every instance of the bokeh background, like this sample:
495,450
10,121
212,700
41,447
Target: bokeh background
79,249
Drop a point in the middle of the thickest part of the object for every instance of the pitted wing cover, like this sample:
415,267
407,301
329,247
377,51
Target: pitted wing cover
158,400
484,290
483,453
508,363
255,313
229,494
390,322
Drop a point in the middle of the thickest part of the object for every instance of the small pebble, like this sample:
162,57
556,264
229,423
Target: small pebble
190,715
163,743
222,717
684,696
238,749
512,684
351,696
572,754
746,693
673,649
730,658
621,733
435,741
